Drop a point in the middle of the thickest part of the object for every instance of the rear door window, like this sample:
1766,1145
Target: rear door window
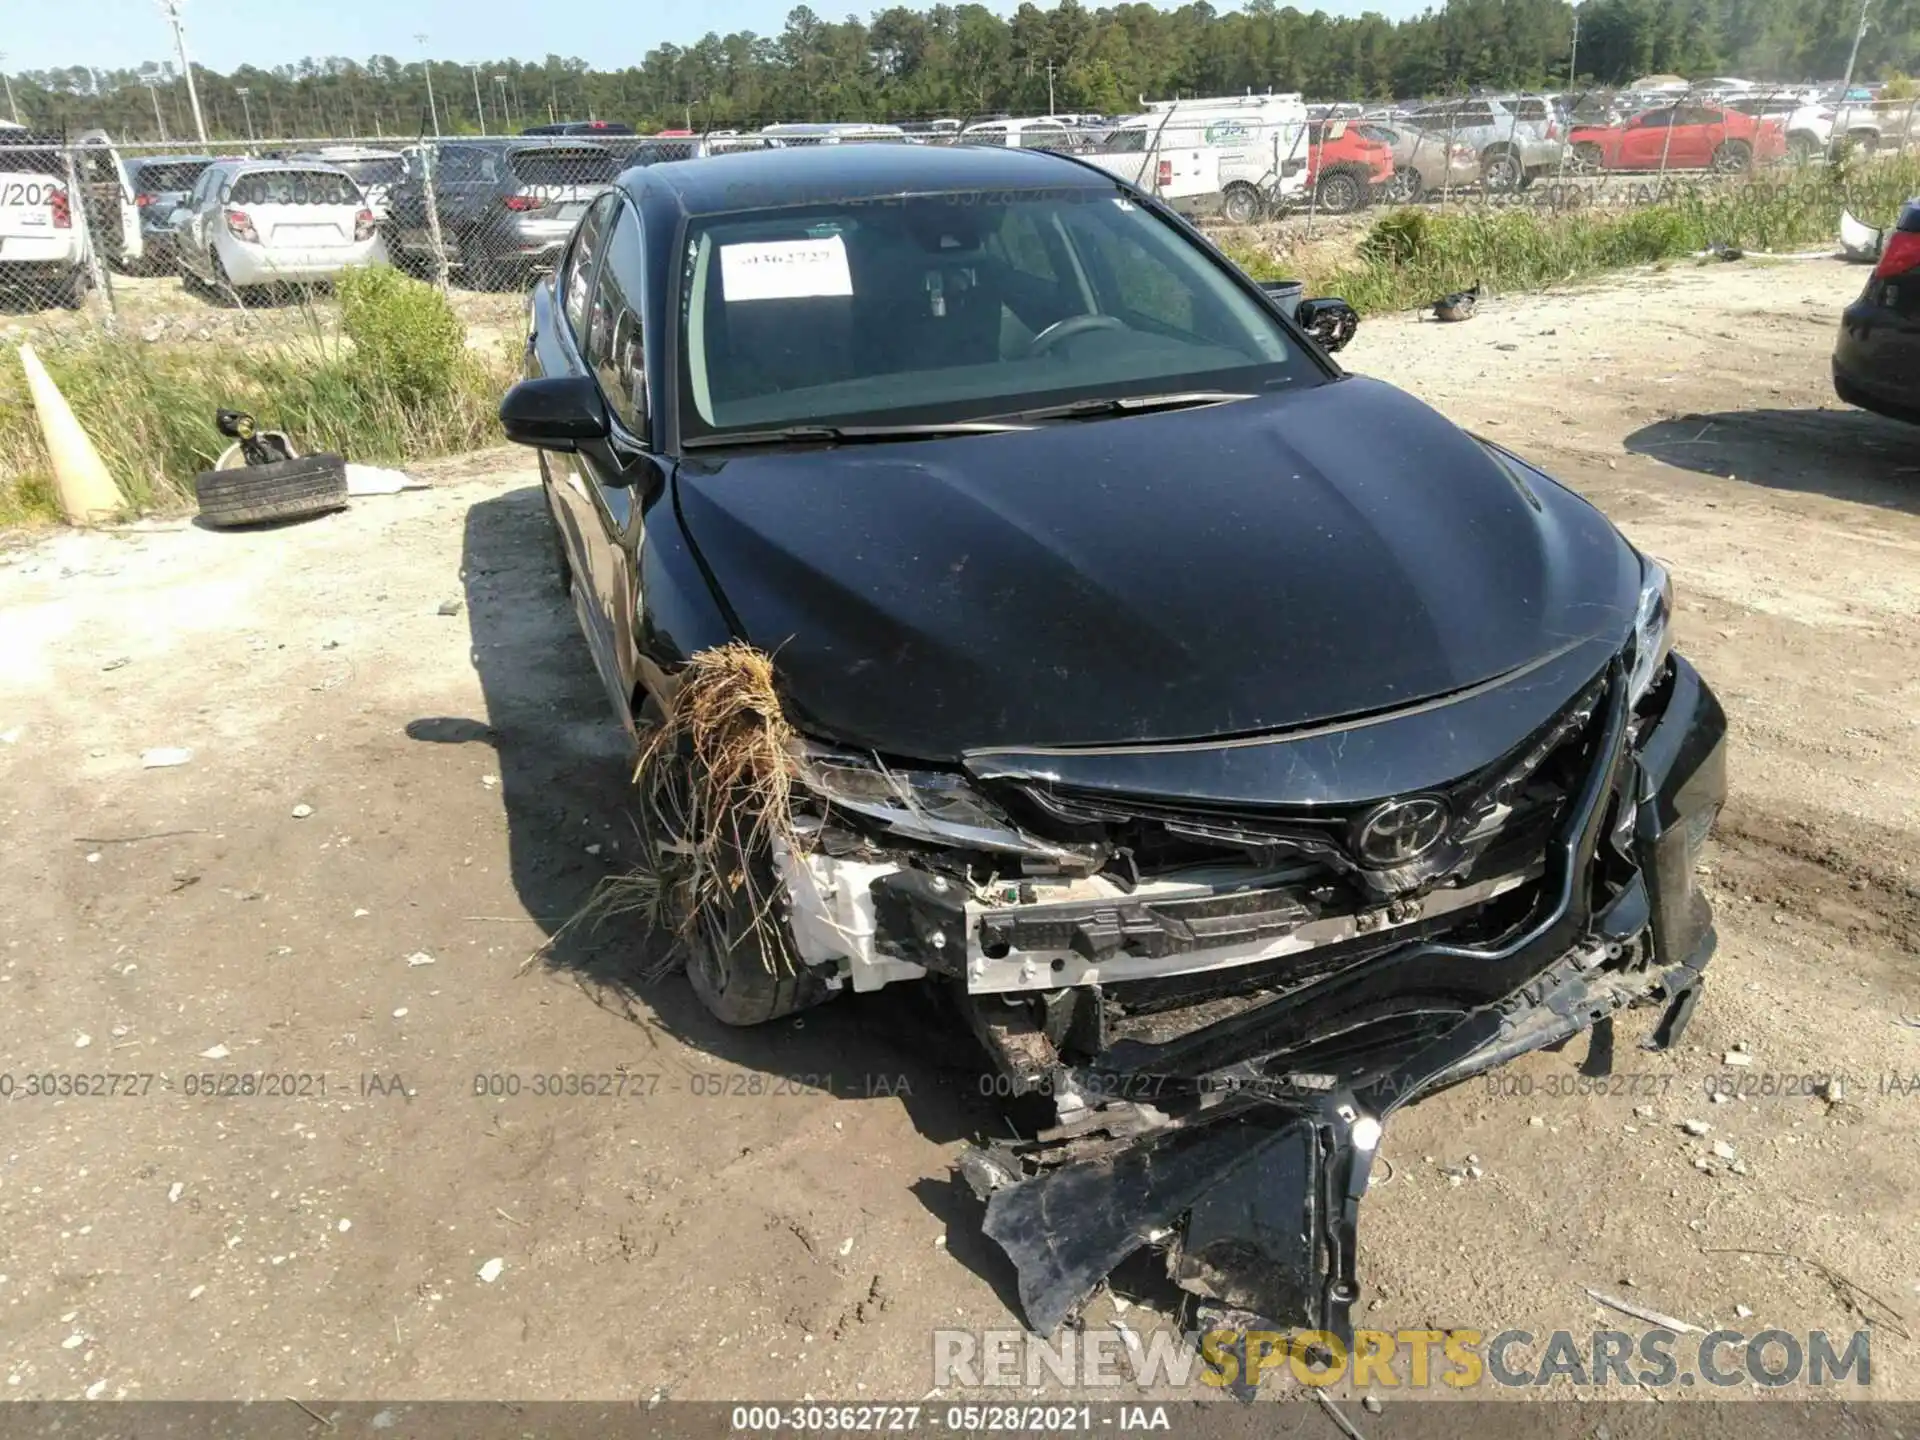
576,273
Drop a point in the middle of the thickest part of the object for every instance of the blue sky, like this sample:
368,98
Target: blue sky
608,34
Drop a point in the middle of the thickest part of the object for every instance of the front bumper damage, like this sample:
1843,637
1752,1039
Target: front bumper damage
1232,1114
1250,1173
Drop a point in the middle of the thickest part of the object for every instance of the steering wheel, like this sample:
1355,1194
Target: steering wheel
1068,328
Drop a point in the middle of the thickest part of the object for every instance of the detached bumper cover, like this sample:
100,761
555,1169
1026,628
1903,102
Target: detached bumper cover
1265,1170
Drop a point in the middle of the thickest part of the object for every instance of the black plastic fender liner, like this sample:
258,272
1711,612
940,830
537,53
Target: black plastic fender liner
1066,1229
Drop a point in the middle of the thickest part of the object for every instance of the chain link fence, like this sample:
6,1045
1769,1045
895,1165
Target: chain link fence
164,240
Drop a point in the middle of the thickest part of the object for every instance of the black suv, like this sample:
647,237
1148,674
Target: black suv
505,206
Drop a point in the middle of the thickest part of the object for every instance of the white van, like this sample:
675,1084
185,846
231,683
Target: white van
1240,154
43,231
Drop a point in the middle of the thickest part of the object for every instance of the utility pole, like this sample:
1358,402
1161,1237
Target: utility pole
152,82
426,64
1049,88
243,92
171,9
1853,56
4,77
506,110
479,109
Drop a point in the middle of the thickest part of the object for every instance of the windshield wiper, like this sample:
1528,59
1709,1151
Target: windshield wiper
1101,406
851,434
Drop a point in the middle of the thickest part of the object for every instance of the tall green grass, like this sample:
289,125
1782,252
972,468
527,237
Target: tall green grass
398,383
1409,257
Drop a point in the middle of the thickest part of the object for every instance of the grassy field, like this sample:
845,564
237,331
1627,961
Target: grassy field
394,381
1410,257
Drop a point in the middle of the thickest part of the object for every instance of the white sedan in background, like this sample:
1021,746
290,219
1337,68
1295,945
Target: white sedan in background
250,223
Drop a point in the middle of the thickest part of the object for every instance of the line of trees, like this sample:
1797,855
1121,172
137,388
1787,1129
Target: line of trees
964,59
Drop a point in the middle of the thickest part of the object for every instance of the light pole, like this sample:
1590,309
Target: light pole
426,64
243,92
152,82
505,109
8,81
1853,55
171,9
478,108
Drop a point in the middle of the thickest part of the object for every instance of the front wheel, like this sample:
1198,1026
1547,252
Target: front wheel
1802,148
741,961
1586,157
1242,204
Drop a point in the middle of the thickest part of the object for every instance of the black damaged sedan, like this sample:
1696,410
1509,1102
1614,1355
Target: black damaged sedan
1245,749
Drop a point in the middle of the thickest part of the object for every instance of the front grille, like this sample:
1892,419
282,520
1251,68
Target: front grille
1502,813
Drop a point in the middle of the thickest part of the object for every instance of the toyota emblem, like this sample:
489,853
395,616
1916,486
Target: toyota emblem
1402,831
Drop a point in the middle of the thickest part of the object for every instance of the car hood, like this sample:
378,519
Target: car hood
1323,553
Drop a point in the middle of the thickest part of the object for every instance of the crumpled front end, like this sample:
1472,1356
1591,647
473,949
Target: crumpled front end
1225,1000
1244,1144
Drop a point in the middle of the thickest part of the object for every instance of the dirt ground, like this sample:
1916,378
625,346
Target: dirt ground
376,783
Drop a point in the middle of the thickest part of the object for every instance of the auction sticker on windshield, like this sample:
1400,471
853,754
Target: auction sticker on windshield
785,269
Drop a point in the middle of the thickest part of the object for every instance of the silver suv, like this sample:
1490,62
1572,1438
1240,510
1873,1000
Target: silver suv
1516,137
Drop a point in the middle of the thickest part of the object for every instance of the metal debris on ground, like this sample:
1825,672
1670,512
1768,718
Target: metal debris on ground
164,757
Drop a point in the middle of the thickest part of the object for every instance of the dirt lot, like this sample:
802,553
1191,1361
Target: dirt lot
771,1213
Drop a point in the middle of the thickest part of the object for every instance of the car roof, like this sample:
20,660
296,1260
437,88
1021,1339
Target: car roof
772,178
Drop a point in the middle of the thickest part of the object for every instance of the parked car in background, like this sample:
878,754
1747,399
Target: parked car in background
580,127
834,132
376,172
1517,138
656,149
1242,154
1872,125
1035,134
43,253
1680,137
161,184
1422,164
505,206
1345,166
252,223
1876,364
1807,125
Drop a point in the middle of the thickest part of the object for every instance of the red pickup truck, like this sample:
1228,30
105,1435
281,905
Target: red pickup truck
1345,165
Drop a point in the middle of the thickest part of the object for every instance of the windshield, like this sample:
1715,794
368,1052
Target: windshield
293,187
386,170
958,307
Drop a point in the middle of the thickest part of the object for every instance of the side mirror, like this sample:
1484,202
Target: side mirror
1331,322
555,412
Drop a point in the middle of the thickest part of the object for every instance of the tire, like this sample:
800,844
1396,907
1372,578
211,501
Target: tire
1865,141
1405,188
1586,158
72,293
1802,148
732,972
223,288
285,490
1501,171
1241,204
1341,192
1733,157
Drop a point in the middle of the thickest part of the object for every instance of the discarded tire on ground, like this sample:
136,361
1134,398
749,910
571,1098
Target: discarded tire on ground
285,490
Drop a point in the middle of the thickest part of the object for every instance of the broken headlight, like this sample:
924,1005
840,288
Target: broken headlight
926,805
1652,630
